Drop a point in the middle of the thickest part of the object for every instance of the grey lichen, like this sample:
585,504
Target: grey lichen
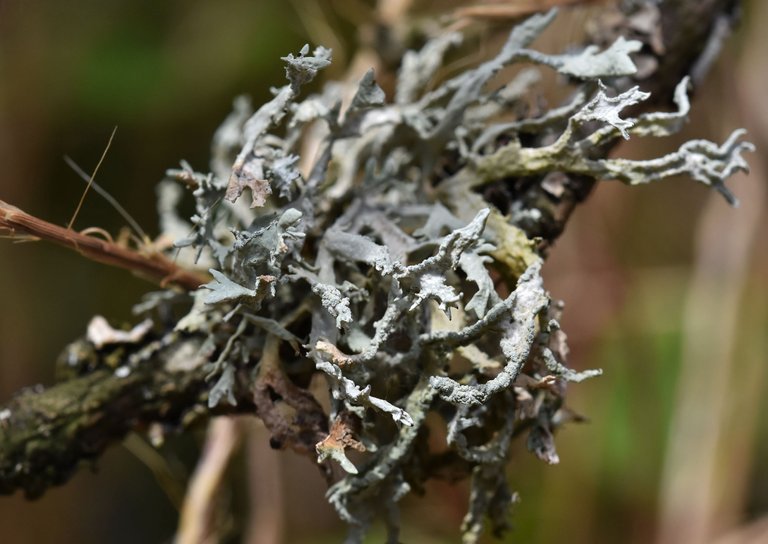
519,325
704,161
399,282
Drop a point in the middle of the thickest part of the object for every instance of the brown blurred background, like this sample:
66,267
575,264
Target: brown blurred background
664,285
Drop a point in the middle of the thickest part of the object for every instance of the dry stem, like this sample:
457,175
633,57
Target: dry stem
155,267
198,515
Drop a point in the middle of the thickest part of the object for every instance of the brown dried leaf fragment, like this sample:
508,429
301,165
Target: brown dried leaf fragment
292,415
342,436
251,175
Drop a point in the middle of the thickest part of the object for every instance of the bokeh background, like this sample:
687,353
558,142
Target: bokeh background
665,285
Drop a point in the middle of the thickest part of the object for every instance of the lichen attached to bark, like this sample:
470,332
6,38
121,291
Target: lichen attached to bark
339,246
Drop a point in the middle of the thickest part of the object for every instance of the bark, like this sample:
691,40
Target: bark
46,434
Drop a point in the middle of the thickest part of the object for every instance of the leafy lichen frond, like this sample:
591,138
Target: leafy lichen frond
391,275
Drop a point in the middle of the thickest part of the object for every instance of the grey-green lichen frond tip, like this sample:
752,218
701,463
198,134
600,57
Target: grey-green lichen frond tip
597,122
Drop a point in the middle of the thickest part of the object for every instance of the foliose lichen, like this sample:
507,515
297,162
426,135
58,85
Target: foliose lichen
397,282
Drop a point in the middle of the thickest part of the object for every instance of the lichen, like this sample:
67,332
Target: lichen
399,283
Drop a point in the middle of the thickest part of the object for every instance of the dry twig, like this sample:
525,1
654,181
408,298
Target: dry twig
154,266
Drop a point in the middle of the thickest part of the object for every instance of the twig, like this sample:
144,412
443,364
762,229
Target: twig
198,522
169,477
266,520
154,267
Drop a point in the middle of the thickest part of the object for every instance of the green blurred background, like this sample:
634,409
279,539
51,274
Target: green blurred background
665,285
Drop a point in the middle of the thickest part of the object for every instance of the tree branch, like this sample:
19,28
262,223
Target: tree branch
46,434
